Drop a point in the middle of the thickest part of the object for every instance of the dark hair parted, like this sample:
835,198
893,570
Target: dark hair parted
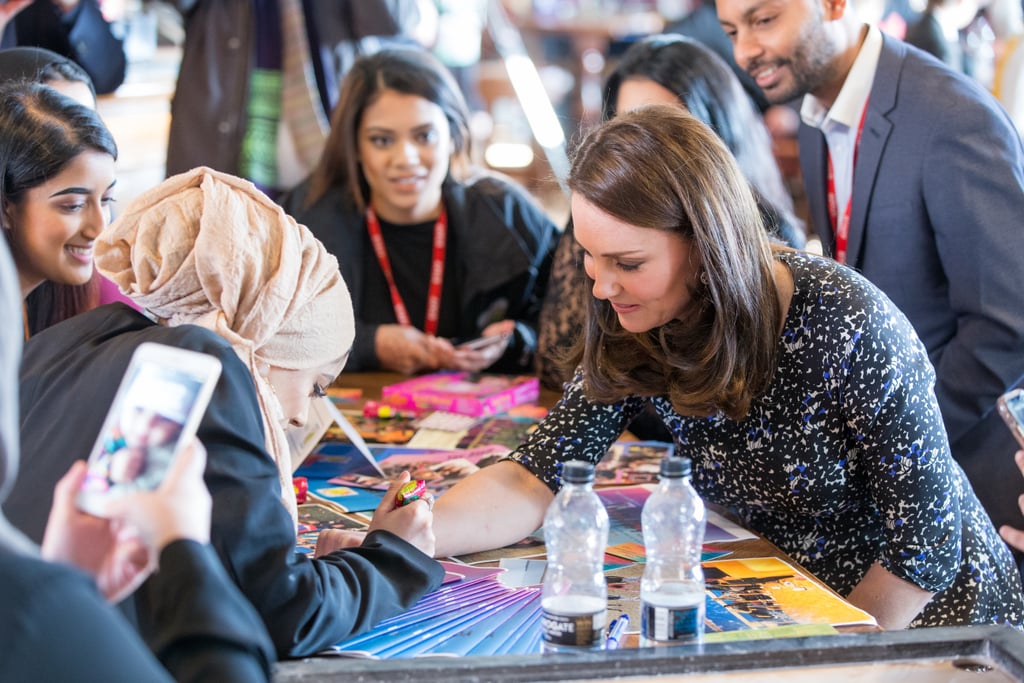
41,132
709,89
658,167
409,71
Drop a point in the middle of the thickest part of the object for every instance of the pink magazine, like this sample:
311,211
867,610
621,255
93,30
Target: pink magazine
466,393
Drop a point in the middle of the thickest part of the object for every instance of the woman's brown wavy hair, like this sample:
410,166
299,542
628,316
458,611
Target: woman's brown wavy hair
658,167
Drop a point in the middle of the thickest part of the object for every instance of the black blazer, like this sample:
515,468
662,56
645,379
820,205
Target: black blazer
69,375
207,630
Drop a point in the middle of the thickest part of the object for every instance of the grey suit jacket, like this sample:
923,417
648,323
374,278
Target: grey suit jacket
936,223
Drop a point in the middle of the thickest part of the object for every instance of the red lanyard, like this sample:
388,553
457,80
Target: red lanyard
842,227
436,271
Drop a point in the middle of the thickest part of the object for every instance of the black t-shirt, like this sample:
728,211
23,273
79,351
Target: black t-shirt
410,250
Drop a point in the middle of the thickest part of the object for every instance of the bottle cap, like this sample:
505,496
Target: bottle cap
675,467
577,472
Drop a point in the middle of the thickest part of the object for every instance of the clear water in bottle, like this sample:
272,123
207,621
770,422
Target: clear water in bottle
574,595
672,596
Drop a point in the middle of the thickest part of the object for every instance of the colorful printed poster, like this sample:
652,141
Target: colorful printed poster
766,592
314,518
474,615
346,498
501,430
391,430
625,504
440,469
632,462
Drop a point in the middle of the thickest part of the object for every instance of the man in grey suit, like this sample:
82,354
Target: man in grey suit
915,177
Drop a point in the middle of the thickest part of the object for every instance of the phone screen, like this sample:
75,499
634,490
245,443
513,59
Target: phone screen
158,405
1011,407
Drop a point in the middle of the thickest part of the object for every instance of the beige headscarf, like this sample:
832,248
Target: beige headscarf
210,249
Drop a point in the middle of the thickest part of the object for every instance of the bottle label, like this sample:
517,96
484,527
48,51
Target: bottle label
572,630
681,623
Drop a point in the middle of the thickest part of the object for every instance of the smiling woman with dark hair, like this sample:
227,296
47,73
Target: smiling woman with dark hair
56,188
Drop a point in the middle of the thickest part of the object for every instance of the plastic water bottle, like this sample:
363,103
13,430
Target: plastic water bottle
574,597
672,586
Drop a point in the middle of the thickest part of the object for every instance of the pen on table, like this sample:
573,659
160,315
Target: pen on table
615,632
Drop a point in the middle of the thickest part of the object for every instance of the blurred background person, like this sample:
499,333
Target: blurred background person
75,29
259,78
937,32
1007,20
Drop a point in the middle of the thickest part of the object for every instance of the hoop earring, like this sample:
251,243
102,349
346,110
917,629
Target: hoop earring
704,280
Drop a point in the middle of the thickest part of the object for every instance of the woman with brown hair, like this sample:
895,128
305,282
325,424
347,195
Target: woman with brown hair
801,394
676,70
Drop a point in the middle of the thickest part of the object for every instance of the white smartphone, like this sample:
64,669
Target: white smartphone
483,342
156,410
1011,407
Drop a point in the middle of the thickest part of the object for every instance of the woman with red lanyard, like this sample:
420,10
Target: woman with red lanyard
434,255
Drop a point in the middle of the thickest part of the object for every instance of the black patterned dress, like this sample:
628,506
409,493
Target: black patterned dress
844,460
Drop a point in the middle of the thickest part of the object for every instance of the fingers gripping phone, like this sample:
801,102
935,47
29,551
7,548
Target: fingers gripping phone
156,411
483,342
1011,407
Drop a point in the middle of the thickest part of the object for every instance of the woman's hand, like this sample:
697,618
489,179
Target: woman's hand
180,508
1015,537
329,540
413,522
405,349
120,549
108,550
478,359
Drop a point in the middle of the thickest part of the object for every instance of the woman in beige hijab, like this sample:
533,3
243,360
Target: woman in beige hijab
54,623
209,249
222,270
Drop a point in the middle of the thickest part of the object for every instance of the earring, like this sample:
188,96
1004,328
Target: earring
704,278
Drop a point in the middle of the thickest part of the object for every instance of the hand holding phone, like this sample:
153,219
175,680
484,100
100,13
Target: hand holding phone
156,410
483,342
1011,407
